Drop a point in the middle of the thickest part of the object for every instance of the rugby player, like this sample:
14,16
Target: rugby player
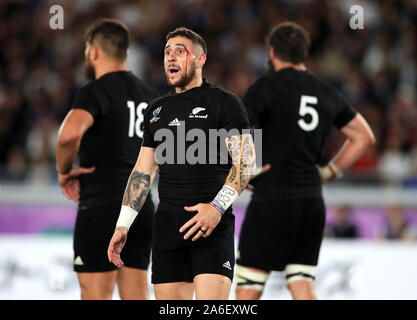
284,221
193,245
103,128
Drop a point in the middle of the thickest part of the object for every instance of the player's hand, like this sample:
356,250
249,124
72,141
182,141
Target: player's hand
325,174
258,172
203,223
116,245
70,184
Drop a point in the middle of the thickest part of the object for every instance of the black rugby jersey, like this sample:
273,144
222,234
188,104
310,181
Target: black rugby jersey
295,111
189,116
117,102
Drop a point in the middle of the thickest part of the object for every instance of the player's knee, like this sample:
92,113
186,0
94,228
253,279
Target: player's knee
133,291
132,283
295,272
94,291
140,293
247,278
300,280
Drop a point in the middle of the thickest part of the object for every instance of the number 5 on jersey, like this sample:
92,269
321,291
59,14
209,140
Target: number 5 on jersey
306,109
136,118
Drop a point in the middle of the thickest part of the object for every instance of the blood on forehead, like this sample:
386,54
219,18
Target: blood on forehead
179,45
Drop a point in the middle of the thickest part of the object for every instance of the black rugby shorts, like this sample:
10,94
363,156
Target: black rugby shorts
281,232
94,229
177,260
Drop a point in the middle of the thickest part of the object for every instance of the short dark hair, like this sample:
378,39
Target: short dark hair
190,35
111,35
290,42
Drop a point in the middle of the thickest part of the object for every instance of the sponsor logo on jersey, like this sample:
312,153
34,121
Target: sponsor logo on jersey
194,113
174,122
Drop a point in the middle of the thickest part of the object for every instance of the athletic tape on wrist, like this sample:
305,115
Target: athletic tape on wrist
126,217
335,169
224,199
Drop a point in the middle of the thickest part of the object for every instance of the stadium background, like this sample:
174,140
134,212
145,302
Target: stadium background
374,67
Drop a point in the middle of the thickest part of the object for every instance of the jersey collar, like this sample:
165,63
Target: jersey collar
204,85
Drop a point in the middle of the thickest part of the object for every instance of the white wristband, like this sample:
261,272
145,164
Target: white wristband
337,172
126,217
329,172
224,199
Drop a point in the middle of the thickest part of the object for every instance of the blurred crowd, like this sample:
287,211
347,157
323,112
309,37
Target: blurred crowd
374,67
395,223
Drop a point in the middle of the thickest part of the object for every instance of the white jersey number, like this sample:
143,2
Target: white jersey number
136,118
305,109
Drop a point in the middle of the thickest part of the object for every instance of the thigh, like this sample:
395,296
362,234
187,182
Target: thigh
170,253
309,238
97,285
268,234
212,286
216,254
137,250
132,283
93,230
174,291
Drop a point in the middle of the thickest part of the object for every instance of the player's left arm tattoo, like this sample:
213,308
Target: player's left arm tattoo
137,190
242,152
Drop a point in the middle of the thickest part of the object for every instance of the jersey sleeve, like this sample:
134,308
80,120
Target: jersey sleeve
147,140
233,114
256,105
345,112
85,99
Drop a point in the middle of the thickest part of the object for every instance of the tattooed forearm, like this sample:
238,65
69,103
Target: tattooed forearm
233,145
232,175
137,190
247,161
241,151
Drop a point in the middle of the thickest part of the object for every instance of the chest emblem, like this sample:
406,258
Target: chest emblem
195,113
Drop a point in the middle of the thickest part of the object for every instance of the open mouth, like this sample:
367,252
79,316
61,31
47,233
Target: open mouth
173,70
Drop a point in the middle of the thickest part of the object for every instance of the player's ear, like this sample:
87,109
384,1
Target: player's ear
94,52
271,53
201,60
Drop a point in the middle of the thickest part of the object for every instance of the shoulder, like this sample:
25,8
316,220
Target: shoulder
326,87
88,91
93,89
225,97
148,88
260,83
87,87
144,86
231,107
160,99
157,102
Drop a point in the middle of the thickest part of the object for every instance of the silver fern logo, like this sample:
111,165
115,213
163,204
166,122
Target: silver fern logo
194,113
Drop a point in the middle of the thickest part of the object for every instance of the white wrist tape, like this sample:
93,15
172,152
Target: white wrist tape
337,172
126,217
330,172
224,199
